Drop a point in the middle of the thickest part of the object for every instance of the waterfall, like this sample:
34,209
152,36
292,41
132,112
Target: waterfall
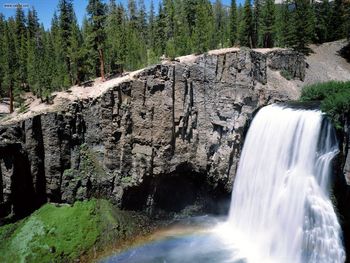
281,207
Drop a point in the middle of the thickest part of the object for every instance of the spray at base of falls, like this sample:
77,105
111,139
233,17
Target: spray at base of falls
281,210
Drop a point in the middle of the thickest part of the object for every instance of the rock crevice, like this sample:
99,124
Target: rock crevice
128,141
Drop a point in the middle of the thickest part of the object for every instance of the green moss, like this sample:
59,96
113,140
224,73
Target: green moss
64,233
286,74
89,162
334,97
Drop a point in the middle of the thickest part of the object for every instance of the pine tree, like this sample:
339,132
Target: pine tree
190,7
256,23
247,27
2,54
338,20
160,31
304,23
21,33
233,23
169,14
70,39
285,27
268,23
347,19
204,27
60,79
219,18
182,39
323,21
96,11
74,53
33,23
10,78
132,8
90,56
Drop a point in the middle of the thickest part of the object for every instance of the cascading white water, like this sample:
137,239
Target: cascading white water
281,207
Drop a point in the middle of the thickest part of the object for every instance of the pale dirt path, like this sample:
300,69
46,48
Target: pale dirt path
62,98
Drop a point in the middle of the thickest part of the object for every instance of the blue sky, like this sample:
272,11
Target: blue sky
46,8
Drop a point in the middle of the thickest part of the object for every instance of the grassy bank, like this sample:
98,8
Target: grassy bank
65,233
334,97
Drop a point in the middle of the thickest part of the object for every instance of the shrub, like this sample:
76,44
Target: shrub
286,74
334,97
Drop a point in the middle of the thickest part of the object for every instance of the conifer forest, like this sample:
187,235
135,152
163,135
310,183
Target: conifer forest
115,37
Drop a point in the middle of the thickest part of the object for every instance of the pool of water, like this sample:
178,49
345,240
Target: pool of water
183,243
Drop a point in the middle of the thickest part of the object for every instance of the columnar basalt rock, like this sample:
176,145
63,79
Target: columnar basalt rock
165,118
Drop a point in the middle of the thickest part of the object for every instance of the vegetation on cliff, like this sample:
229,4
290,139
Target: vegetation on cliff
334,97
63,233
113,37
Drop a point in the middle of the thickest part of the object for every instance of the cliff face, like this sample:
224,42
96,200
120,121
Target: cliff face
166,138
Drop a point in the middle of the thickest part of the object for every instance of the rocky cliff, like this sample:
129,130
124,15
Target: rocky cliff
168,137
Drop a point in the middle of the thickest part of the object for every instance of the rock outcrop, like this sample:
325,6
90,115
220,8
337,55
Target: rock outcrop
167,137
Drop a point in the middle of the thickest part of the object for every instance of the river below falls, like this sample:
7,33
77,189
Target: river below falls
200,239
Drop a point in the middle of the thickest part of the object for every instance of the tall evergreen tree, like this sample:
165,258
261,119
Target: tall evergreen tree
219,18
204,27
160,31
2,53
97,16
20,40
190,11
182,39
151,27
33,47
323,21
142,21
10,67
338,20
247,27
268,21
256,23
303,25
285,26
233,23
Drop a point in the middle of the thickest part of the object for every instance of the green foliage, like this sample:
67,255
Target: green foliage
334,97
285,29
63,233
256,36
286,74
204,27
233,22
246,27
96,10
304,22
323,21
268,22
131,36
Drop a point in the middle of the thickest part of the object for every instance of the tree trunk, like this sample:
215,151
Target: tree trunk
11,98
102,63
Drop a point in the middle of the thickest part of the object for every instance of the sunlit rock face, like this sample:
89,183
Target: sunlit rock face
167,117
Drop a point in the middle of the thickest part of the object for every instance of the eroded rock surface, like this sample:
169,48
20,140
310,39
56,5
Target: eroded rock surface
176,120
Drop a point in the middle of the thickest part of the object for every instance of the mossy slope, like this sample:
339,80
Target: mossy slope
63,233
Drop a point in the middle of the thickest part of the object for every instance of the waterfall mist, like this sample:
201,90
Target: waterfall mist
281,209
